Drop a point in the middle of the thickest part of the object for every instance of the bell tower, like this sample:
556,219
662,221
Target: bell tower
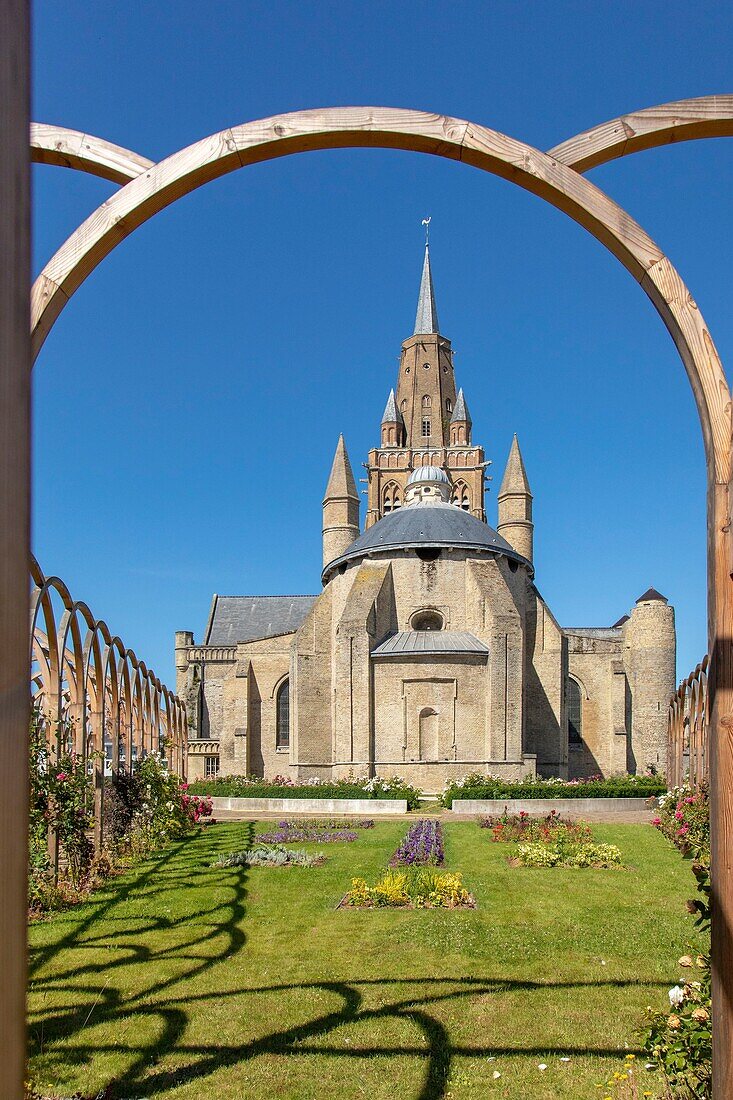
425,423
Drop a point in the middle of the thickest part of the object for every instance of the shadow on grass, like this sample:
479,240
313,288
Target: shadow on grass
184,945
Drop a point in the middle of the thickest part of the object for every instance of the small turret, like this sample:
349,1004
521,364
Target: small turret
650,658
393,426
340,507
460,423
515,505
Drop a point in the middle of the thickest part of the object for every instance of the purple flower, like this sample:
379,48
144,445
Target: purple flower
422,845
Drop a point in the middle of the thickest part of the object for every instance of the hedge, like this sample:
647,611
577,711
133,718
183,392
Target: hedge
488,787
237,786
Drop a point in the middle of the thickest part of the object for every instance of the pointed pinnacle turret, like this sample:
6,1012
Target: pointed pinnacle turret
341,482
515,505
515,476
391,415
340,507
426,319
461,412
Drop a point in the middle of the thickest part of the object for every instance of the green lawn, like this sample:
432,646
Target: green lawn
180,980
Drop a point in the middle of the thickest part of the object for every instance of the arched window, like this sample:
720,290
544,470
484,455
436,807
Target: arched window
403,405
282,716
575,712
448,405
461,497
426,430
426,402
391,497
427,620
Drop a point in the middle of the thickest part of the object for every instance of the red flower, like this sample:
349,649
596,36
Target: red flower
61,777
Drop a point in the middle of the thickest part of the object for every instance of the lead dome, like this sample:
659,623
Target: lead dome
427,483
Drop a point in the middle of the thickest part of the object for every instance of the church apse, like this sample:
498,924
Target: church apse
428,653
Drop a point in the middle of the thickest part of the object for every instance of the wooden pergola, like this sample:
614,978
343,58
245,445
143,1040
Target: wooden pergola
146,189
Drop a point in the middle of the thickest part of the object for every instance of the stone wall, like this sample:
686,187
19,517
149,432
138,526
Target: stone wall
595,661
545,730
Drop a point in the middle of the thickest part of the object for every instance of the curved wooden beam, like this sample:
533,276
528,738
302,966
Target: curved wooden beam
85,153
380,127
685,120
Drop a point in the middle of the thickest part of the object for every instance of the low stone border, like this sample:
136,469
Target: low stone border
364,807
471,807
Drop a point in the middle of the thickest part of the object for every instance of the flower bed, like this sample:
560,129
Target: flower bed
510,828
271,855
423,846
411,888
243,786
679,1042
567,853
476,786
684,818
324,832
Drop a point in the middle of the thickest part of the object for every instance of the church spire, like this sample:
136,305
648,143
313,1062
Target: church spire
426,318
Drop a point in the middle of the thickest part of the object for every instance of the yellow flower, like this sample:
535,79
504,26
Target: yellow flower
673,1022
700,1014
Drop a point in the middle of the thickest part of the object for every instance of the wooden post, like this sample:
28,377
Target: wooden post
720,740
14,535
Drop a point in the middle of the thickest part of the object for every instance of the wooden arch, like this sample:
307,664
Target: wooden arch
455,139
551,178
85,153
684,120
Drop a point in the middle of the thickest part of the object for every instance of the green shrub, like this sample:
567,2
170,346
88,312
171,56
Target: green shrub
243,786
568,853
488,787
271,855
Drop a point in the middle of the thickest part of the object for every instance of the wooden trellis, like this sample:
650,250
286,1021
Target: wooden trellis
92,694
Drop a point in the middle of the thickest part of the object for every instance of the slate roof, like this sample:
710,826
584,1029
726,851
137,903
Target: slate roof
461,412
418,525
246,618
426,318
430,641
651,594
391,414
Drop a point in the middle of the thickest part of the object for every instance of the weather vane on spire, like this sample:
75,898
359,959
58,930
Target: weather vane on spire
426,222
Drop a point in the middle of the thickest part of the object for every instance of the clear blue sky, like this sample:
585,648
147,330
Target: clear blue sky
188,401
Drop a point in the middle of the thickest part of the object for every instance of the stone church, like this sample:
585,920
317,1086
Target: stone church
429,652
